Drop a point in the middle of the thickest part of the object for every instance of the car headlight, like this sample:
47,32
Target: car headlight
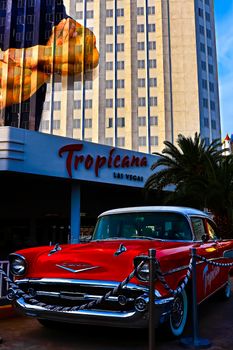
18,265
143,271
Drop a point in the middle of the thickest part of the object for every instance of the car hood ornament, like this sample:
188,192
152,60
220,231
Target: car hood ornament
120,250
76,268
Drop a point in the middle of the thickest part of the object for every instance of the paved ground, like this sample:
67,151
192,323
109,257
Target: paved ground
21,333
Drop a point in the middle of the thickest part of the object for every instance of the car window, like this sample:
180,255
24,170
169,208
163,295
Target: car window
157,225
212,230
198,227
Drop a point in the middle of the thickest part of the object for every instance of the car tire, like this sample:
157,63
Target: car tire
179,315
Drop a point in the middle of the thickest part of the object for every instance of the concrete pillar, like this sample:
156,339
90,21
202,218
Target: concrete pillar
75,214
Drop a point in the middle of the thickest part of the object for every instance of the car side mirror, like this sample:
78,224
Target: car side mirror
205,238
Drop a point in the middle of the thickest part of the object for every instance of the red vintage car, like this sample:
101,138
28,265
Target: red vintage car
68,276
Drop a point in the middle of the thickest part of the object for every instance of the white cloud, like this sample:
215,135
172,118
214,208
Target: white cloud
224,29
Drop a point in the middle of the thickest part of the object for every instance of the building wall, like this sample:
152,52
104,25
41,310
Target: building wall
156,78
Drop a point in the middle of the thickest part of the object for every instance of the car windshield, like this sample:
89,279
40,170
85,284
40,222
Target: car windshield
152,225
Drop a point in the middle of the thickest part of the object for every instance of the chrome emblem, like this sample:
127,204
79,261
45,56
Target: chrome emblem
81,267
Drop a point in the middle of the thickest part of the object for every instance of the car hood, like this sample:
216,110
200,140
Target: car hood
97,260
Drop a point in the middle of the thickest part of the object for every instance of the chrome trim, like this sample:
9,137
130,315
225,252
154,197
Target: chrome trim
77,271
127,319
76,296
11,256
92,283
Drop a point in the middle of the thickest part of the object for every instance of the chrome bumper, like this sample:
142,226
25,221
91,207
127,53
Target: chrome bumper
129,319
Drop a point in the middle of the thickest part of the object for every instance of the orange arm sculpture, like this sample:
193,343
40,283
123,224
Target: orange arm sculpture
71,49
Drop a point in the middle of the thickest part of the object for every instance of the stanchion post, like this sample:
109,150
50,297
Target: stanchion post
152,254
195,342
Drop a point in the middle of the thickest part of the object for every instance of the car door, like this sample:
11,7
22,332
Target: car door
207,275
224,248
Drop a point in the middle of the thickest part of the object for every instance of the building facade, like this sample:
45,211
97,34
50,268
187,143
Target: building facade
156,76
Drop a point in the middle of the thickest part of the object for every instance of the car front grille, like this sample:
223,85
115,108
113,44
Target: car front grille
77,292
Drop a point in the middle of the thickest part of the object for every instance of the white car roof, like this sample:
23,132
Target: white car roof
181,210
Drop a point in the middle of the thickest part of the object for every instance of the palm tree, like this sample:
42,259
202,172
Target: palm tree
202,177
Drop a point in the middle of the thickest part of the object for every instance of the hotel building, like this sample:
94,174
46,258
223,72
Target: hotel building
157,75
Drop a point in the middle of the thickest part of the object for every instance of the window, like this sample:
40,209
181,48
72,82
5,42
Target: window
205,103
109,13
45,124
89,14
2,5
213,124
151,27
142,141
141,82
120,102
211,69
200,12
152,45
207,16
20,20
109,48
151,10
20,3
203,65
202,47
120,29
109,123
19,36
153,82
153,101
109,102
142,121
198,228
201,29
120,84
120,47
204,84
76,123
56,124
212,105
31,3
77,85
140,28
109,141
140,11
79,15
46,105
212,230
88,104
141,64
88,84
88,123
152,63
77,104
206,122
211,85
109,65
153,120
120,65
141,45
210,51
154,140
120,12
109,84
29,36
109,30
141,101
207,141
121,122
121,142
208,32
57,105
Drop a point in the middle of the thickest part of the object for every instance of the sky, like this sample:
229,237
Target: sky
224,34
